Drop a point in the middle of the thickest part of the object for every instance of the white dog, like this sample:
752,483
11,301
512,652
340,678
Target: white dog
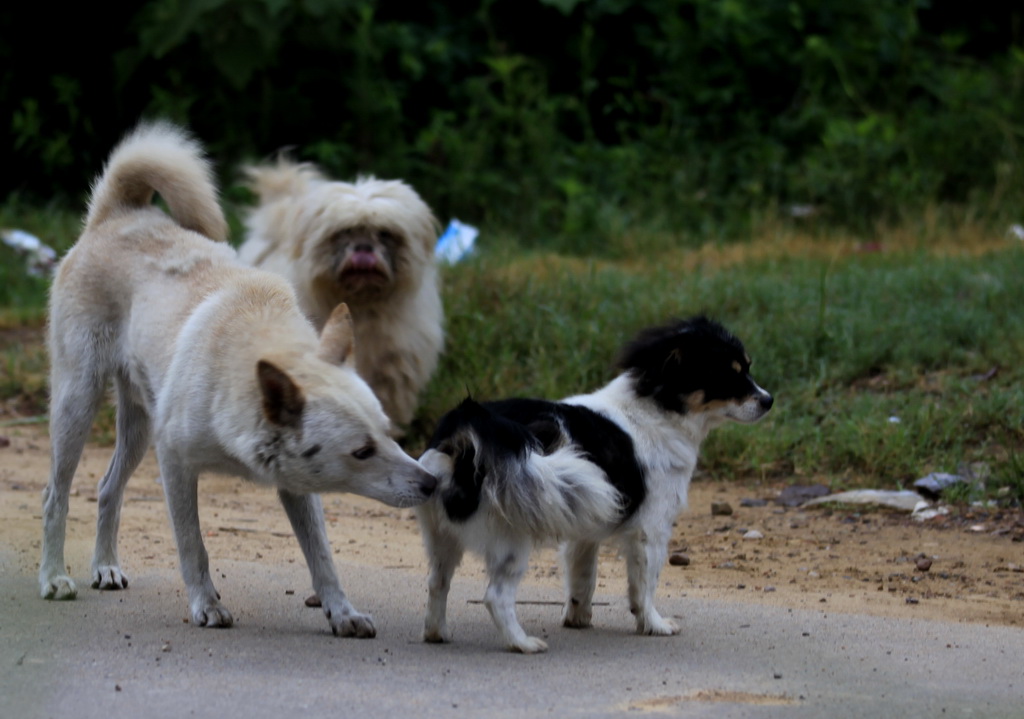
612,464
214,363
369,244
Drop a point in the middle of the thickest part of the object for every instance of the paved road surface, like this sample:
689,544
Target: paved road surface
129,654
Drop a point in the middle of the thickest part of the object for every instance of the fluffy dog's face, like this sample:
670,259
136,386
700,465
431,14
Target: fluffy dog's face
367,241
694,366
362,260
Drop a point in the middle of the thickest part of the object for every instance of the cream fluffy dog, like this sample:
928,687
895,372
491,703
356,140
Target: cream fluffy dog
369,244
215,364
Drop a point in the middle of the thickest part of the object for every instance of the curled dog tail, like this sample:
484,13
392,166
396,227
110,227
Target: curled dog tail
488,462
159,157
285,178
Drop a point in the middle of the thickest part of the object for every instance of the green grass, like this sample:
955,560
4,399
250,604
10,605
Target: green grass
23,297
923,325
844,340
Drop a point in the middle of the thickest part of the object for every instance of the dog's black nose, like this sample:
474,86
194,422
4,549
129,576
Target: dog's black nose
428,483
767,401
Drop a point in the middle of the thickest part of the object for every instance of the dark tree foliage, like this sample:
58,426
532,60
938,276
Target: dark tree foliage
555,117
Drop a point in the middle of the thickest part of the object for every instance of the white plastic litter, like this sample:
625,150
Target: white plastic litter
800,211
926,513
41,259
1016,231
456,242
907,500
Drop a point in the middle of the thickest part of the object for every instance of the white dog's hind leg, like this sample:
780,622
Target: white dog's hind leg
645,554
580,559
181,490
444,552
76,393
506,565
133,428
306,514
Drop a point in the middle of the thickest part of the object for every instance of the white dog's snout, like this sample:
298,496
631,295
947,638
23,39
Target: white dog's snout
427,483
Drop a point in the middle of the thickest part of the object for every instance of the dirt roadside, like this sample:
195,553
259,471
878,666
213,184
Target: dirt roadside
843,560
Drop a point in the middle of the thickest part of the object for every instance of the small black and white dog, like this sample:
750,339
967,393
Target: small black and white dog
612,464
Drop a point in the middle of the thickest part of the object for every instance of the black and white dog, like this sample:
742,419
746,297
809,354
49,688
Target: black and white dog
612,464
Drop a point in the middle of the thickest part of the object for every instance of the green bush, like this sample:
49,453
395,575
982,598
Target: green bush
562,120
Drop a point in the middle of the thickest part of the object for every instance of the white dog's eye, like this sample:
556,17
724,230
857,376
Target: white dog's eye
365,452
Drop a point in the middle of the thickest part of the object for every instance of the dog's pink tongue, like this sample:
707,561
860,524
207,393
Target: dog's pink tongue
364,260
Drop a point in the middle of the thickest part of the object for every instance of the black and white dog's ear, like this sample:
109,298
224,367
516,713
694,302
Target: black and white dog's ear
283,400
337,339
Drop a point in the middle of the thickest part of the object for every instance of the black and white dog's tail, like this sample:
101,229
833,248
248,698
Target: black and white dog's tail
489,463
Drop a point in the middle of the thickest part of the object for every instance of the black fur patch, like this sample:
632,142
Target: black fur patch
672,362
503,441
462,498
509,429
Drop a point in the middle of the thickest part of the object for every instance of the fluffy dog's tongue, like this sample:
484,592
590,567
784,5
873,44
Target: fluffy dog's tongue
363,260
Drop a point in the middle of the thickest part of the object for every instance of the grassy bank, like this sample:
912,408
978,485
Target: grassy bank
889,358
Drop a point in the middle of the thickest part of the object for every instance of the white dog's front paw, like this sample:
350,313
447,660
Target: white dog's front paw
577,616
655,625
211,614
529,645
437,634
59,587
109,576
351,623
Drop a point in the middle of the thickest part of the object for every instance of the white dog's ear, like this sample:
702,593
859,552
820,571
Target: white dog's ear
282,398
337,340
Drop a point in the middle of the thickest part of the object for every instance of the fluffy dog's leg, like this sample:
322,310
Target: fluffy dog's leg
133,428
306,513
180,487
580,559
393,387
506,565
444,552
645,554
76,393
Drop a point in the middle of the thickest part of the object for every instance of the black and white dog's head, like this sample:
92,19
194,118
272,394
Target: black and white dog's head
695,366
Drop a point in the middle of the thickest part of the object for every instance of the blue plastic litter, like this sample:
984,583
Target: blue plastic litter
456,242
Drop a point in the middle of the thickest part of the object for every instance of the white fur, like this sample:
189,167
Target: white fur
398,326
214,364
667,446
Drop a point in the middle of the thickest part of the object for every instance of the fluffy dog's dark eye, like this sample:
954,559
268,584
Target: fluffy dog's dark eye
365,452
